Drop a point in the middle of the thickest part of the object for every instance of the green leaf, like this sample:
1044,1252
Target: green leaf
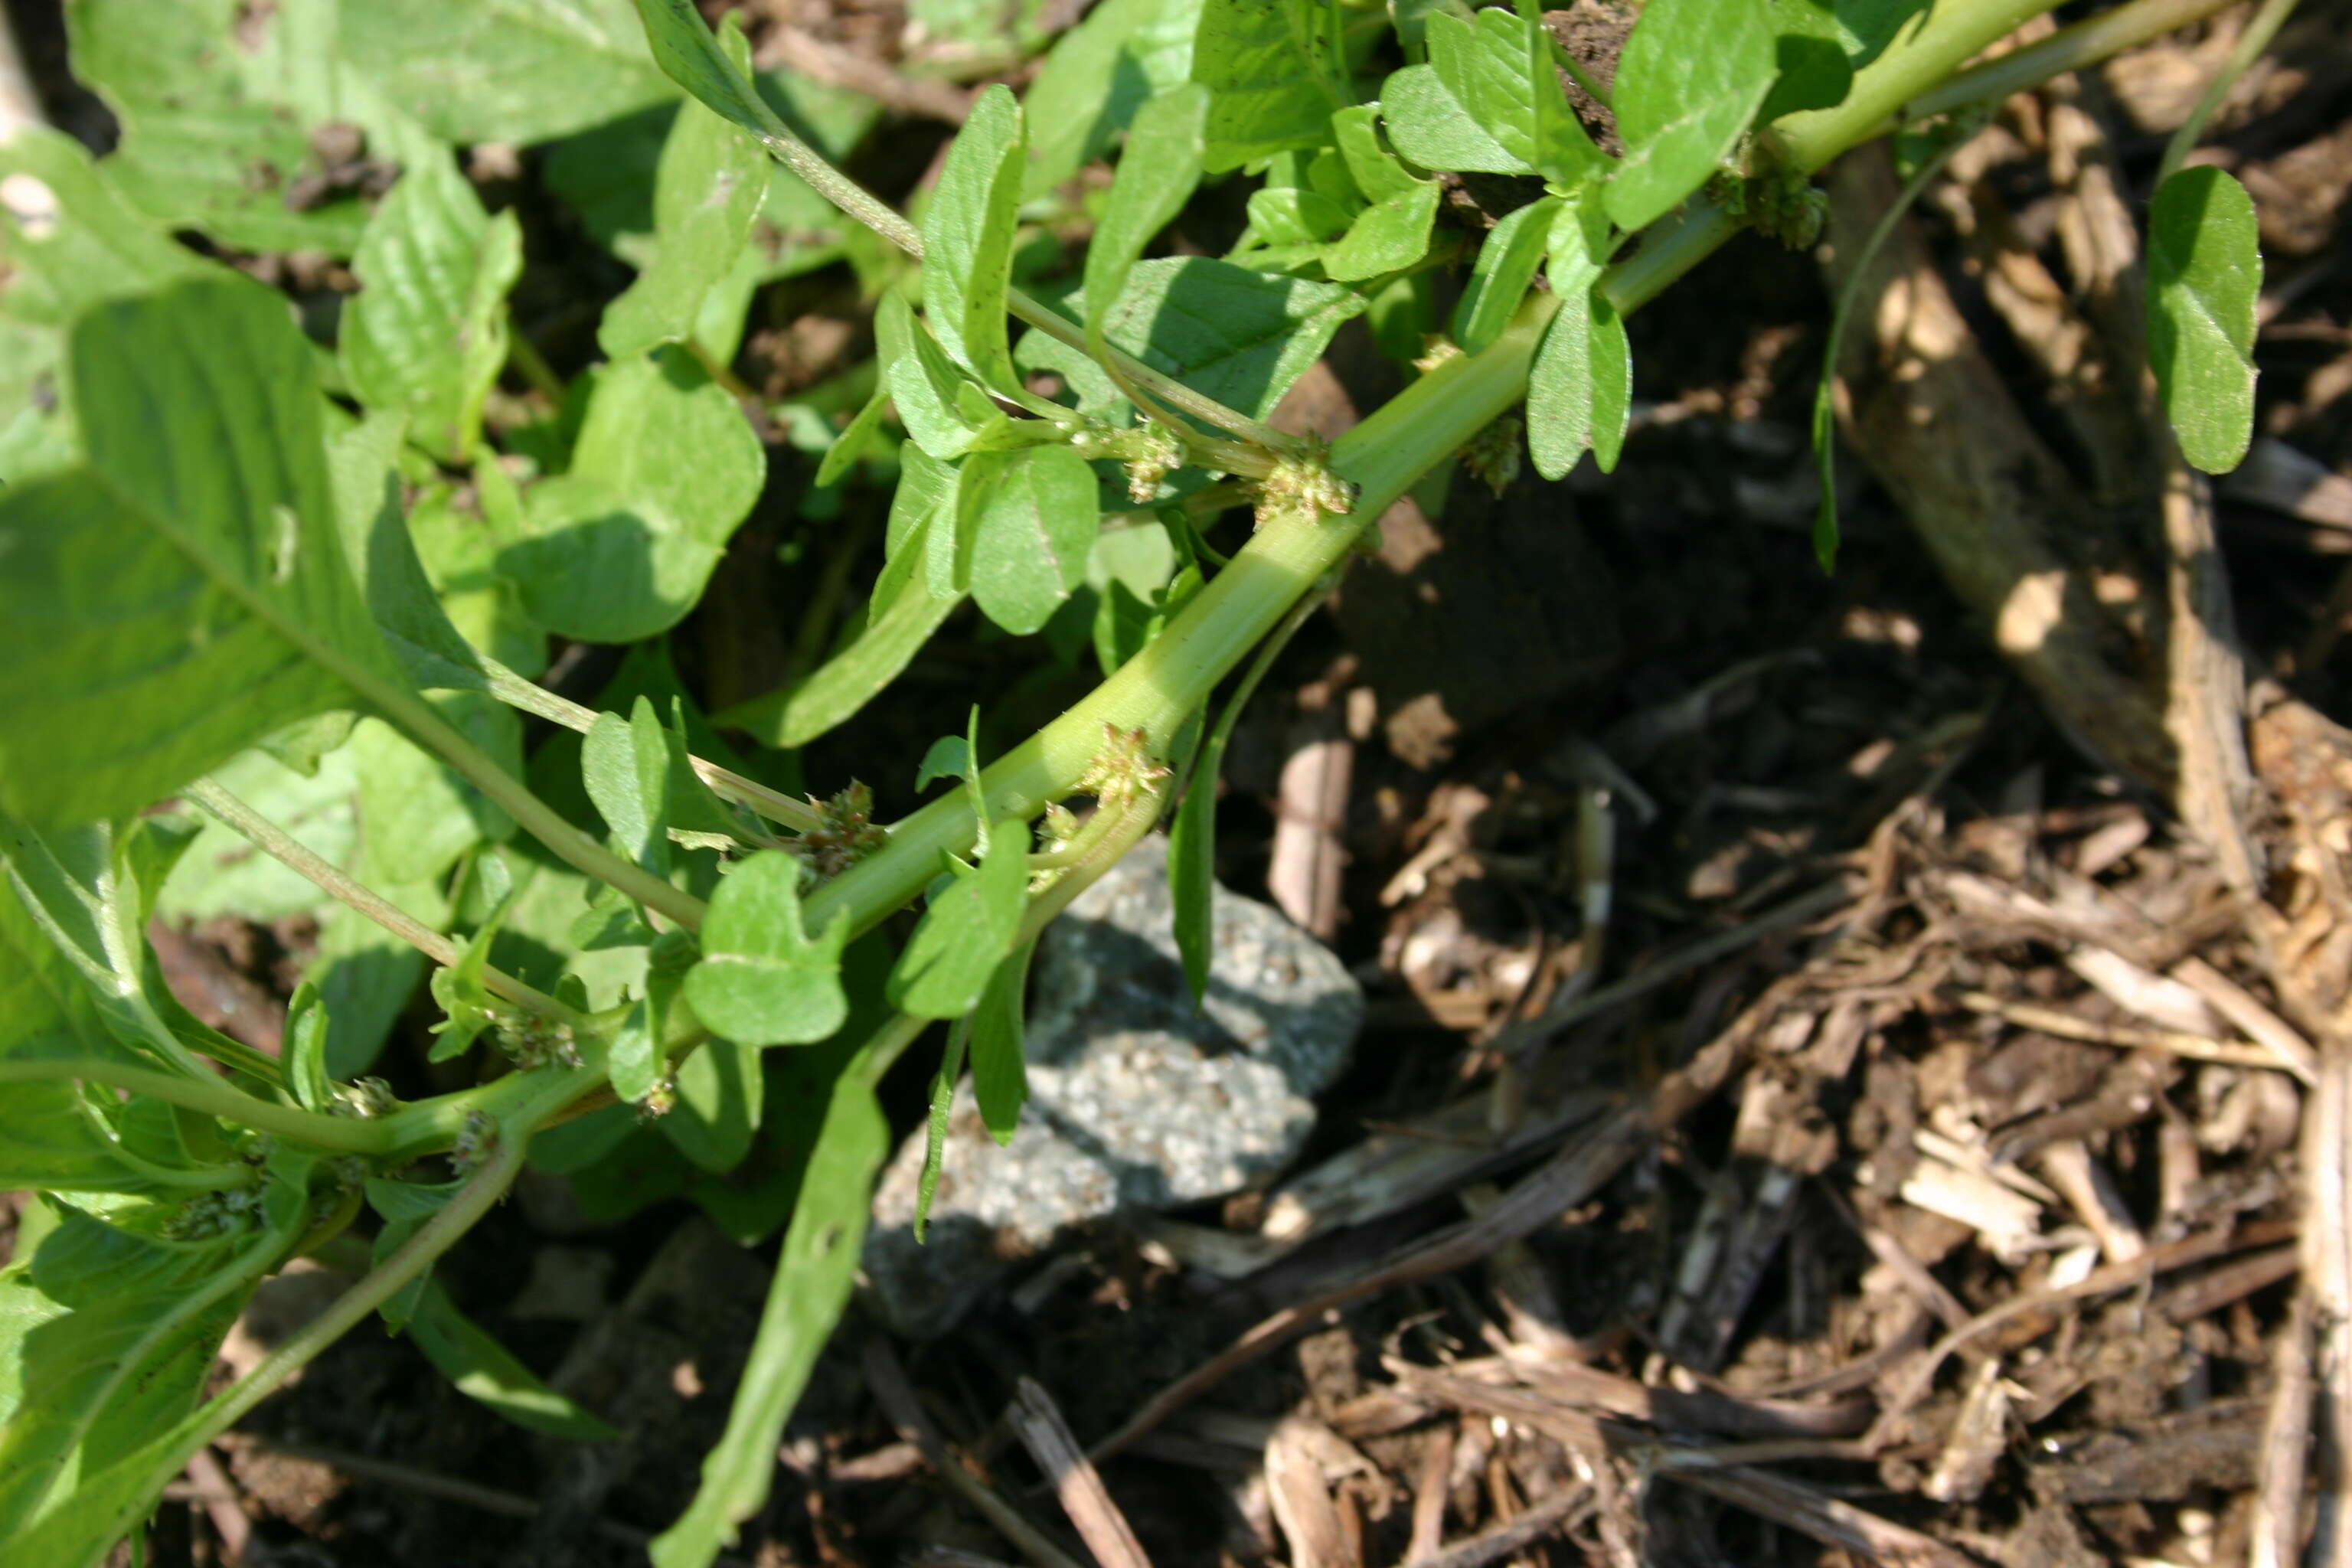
71,241
966,931
813,1275
1810,51
405,1206
1488,102
486,1371
1193,867
708,191
636,1062
88,890
718,1104
1038,511
221,873
763,980
619,548
1579,392
1386,236
950,757
417,815
460,991
1498,280
1240,336
968,231
1000,1061
1156,175
1096,78
383,557
427,334
105,1338
926,386
1292,214
935,1125
1690,78
306,1050
220,102
506,71
2205,278
908,605
181,591
1434,128
1274,67
624,763
855,437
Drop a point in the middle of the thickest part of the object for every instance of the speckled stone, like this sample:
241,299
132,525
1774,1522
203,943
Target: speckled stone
1136,1100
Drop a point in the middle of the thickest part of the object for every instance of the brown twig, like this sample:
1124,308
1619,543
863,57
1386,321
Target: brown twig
1556,1513
1038,1423
2066,1026
887,1380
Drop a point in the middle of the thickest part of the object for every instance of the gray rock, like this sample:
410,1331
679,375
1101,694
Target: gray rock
1136,1100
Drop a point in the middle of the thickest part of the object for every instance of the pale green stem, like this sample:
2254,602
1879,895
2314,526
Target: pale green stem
344,1135
534,816
290,852
534,699
1920,59
2248,50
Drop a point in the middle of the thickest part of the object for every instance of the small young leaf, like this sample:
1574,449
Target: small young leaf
950,757
966,931
855,437
427,335
624,763
2205,278
1490,101
1498,280
926,386
1388,237
1579,393
707,193
1037,515
1275,68
306,1049
813,1279
1376,172
763,980
1690,78
619,547
1156,177
968,233
934,1126
1000,1061
1294,216
460,991
485,1371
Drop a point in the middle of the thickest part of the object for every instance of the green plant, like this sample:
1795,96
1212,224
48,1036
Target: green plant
221,534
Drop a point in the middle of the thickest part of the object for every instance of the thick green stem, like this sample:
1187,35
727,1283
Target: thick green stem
1160,688
214,1097
1946,36
291,853
2087,43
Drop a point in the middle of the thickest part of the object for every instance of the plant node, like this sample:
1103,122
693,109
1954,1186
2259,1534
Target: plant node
473,1143
1122,770
1493,454
364,1098
846,836
1304,487
1781,201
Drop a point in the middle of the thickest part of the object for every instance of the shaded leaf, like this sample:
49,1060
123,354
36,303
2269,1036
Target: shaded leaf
966,931
485,1371
1506,264
1037,512
1156,175
1274,70
999,1061
506,71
